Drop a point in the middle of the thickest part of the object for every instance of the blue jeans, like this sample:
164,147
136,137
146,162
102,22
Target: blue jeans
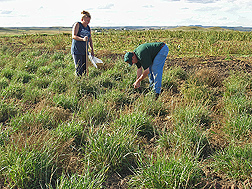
80,64
156,69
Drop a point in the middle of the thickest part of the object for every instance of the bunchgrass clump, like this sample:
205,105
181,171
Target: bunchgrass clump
194,90
58,85
237,107
189,133
73,130
239,127
163,171
8,73
88,179
7,111
66,101
171,76
41,82
46,118
4,134
30,160
14,90
110,148
33,95
234,161
95,112
4,82
139,123
23,77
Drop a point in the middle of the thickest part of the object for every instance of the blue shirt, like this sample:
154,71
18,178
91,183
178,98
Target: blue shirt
79,47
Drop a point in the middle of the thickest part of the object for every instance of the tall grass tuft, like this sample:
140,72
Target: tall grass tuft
5,132
23,77
8,73
4,82
194,90
139,123
238,106
234,161
171,76
95,112
66,101
14,90
189,135
239,127
86,180
73,129
147,103
7,111
47,118
30,160
166,172
86,88
110,148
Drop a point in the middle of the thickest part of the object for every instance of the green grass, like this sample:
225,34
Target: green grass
238,106
235,162
30,160
61,131
87,180
7,110
167,172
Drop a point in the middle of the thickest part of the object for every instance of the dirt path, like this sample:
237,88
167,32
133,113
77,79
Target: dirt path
222,64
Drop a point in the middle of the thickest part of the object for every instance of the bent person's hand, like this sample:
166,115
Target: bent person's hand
136,85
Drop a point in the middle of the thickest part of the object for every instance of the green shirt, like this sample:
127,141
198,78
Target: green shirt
146,53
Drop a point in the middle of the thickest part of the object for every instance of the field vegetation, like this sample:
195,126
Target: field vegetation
61,131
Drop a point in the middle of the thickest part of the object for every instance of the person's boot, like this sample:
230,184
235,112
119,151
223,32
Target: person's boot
156,96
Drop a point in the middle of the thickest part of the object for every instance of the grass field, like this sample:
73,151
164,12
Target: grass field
61,131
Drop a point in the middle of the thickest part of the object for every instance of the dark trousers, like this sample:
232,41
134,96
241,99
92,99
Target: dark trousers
80,64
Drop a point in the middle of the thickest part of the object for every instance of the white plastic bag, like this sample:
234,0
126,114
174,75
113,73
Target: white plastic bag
95,60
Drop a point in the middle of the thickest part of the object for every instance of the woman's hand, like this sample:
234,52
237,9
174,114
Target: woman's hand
85,38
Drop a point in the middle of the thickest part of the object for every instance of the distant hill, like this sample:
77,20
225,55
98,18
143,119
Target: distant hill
191,28
196,27
5,29
33,30
58,29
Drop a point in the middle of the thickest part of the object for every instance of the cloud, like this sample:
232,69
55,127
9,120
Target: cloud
223,18
196,1
202,1
107,6
148,6
208,9
171,0
6,12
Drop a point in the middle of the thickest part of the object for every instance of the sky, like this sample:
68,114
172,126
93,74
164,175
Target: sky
49,13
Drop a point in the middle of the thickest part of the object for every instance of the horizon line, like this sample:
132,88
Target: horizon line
129,26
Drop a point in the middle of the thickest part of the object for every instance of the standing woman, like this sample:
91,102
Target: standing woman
81,34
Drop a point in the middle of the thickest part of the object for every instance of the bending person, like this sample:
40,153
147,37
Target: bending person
151,57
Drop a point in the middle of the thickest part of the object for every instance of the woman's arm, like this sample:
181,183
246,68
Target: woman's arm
91,45
75,32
